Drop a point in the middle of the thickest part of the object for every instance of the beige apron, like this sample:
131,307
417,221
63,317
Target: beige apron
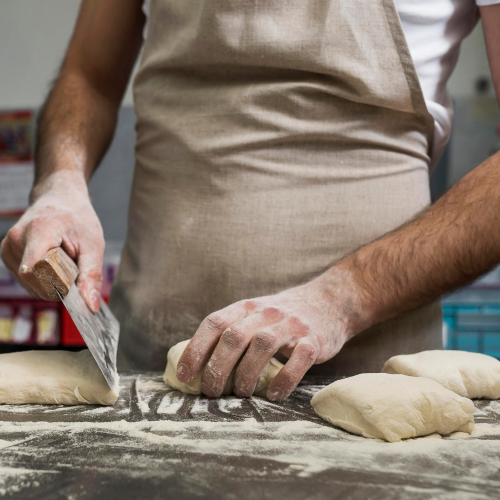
273,138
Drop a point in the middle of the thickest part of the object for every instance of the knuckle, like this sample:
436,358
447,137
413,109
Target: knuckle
288,379
211,373
272,311
243,384
308,351
243,391
233,337
215,321
92,275
15,235
265,342
249,305
40,223
273,314
298,327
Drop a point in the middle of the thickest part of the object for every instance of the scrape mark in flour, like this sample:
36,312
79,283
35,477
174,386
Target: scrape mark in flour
171,404
199,406
226,405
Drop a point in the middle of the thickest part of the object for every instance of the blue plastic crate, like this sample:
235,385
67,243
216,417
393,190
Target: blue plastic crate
472,327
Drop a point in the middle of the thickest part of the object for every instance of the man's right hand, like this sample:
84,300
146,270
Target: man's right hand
61,214
75,127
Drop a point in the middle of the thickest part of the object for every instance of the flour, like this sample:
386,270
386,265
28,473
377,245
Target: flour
485,430
493,407
25,408
200,406
14,480
99,411
307,448
170,404
309,390
146,389
227,405
188,431
143,406
173,401
299,449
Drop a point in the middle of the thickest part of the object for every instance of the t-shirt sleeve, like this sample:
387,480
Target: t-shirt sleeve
483,3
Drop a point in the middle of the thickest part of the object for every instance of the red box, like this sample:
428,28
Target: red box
70,336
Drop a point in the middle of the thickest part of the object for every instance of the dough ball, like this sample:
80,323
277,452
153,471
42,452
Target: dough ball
194,386
53,377
469,374
393,407
267,375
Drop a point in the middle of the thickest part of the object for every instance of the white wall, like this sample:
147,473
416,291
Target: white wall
472,63
33,38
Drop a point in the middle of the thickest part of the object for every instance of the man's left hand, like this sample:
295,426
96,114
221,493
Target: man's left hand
308,324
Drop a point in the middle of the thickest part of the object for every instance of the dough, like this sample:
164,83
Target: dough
469,374
53,377
393,407
194,387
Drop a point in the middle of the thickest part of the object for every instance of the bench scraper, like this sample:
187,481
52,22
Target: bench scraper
56,273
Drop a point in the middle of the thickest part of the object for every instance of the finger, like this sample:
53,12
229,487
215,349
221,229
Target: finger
262,348
201,346
303,357
90,260
40,236
9,256
231,346
15,241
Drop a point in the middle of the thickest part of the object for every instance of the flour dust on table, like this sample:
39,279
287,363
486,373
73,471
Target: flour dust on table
282,449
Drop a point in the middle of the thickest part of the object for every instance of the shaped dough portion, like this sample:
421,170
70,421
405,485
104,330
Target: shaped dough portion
393,407
469,374
194,386
53,377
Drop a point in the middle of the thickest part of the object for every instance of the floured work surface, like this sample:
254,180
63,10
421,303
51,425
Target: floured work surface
159,443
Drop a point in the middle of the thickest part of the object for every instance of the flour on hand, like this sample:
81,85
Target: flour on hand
194,386
53,377
393,407
469,374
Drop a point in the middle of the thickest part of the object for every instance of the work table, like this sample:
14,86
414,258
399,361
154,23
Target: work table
158,443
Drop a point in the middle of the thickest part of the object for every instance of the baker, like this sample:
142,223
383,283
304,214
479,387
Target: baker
280,201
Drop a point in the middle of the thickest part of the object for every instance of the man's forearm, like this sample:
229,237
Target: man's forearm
77,122
75,128
450,244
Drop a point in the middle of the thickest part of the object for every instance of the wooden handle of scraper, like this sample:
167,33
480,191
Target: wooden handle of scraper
55,269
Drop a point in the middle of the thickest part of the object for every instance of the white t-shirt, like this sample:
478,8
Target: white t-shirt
434,30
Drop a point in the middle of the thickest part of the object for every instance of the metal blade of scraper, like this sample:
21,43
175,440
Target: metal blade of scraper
100,331
56,274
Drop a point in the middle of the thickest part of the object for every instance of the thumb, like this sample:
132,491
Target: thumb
90,278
